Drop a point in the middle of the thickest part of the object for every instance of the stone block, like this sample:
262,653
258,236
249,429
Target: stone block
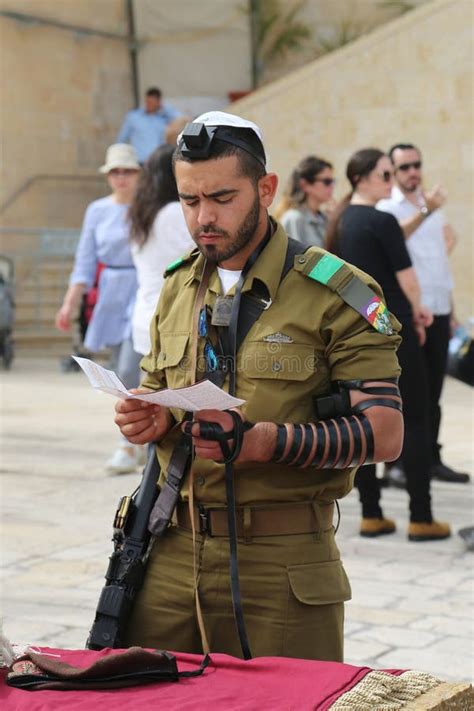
397,636
445,697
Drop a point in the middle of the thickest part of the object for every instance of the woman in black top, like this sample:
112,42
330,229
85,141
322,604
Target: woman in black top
373,241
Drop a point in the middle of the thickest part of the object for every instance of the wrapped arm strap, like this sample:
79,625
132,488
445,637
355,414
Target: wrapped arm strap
336,443
330,444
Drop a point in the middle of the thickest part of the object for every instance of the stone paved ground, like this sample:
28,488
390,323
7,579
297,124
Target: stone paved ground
412,603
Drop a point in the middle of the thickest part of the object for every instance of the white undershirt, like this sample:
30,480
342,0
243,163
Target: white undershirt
228,278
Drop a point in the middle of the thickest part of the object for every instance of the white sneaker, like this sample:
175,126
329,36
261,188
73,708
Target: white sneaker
122,462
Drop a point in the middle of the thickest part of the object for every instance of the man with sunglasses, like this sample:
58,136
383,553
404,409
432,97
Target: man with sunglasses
429,237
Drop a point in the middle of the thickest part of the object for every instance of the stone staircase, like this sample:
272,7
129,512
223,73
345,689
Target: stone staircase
38,295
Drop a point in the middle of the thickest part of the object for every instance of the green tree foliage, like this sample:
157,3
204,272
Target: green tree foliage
276,31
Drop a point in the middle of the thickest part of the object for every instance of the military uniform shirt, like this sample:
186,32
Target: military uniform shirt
306,339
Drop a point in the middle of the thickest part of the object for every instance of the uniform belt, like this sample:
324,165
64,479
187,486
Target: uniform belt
284,520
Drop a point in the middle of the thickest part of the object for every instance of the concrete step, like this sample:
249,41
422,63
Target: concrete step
43,338
29,271
46,291
40,313
50,342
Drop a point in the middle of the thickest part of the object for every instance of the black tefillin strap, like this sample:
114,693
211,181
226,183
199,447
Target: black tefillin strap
307,447
345,438
214,432
296,444
390,389
246,309
354,425
229,342
337,420
333,444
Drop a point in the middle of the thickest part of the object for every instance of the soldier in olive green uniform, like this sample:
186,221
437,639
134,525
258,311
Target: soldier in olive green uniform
290,466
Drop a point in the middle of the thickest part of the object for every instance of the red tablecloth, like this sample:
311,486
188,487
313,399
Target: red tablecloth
228,684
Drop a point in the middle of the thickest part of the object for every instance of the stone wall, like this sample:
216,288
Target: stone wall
410,80
64,94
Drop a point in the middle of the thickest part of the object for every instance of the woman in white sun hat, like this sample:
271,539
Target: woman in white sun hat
104,241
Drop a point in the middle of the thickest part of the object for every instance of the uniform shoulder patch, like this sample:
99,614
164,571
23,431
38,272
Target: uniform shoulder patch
181,261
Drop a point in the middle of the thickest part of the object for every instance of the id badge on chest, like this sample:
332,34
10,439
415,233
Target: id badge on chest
222,311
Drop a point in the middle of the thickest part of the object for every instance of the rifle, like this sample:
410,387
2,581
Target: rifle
127,563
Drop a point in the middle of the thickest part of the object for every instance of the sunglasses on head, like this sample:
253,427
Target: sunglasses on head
325,181
406,166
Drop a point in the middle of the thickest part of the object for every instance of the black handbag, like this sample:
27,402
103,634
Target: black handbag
461,360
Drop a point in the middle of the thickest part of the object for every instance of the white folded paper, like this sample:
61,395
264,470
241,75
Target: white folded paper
202,396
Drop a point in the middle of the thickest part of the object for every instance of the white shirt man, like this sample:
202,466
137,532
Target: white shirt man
427,249
429,239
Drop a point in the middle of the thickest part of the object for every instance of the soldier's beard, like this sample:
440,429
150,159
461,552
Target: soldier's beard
232,244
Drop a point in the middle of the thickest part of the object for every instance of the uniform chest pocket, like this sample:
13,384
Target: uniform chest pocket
279,361
172,356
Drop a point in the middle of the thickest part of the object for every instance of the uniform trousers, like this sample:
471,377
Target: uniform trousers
293,589
416,457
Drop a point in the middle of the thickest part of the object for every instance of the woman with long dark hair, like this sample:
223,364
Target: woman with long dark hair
158,235
310,186
373,241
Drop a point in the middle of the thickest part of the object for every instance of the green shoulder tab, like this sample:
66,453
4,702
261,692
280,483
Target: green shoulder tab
319,265
338,276
325,268
178,263
174,265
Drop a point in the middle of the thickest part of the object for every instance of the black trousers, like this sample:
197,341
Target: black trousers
435,353
416,453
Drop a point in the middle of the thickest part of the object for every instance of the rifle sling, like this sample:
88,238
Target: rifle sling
165,504
252,304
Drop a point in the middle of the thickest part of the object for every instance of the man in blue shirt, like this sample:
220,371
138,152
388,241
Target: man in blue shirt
145,127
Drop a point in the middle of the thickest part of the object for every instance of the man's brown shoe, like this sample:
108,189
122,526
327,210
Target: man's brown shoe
434,531
373,527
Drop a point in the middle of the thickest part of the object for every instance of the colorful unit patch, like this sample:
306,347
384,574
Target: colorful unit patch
376,314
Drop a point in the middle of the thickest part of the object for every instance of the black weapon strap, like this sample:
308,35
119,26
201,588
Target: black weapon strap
165,504
246,309
253,303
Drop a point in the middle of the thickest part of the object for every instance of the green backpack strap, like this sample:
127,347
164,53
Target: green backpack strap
337,275
178,263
